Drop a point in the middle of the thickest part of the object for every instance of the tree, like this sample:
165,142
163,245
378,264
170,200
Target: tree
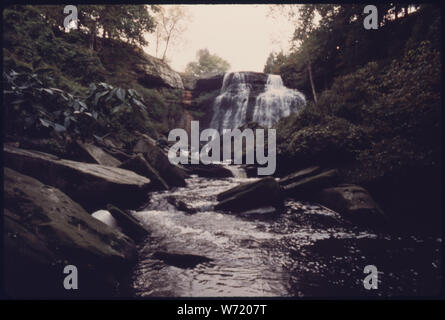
131,23
274,62
171,25
206,64
123,22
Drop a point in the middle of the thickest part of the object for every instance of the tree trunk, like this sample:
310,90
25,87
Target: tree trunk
93,45
166,47
309,69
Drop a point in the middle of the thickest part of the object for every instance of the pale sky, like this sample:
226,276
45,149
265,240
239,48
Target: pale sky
244,35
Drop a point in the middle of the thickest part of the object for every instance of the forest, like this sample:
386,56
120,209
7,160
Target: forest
87,113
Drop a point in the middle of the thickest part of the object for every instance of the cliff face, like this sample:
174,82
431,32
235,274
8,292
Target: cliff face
153,72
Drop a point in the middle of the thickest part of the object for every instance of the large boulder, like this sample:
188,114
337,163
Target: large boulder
139,165
262,193
97,155
303,184
172,174
45,230
91,185
298,175
153,72
208,170
129,225
352,201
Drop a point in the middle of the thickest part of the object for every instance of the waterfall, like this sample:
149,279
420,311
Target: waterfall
276,102
249,96
230,106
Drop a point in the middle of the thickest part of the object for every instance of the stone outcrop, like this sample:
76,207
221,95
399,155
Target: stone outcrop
91,185
208,170
129,225
262,193
210,83
303,184
141,166
352,201
173,175
97,155
45,230
153,72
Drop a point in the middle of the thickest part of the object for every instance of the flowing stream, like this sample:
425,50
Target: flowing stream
300,250
303,250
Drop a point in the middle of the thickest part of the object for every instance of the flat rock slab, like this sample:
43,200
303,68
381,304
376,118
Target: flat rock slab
296,176
305,187
208,170
91,185
173,175
141,166
129,225
262,193
353,202
45,230
98,155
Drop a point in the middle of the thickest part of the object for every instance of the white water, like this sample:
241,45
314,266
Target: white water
300,250
231,107
276,102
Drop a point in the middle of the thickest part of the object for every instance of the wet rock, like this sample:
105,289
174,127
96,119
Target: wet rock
262,193
296,176
208,170
97,155
139,165
173,175
119,154
352,201
106,217
49,145
181,205
303,185
180,260
129,225
91,185
45,230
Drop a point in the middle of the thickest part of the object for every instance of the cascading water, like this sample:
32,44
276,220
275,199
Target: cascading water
246,97
230,107
276,102
299,250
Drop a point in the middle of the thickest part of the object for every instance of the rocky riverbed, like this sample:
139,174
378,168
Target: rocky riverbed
165,230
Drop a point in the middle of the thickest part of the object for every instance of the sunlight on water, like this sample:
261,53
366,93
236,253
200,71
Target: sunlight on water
304,250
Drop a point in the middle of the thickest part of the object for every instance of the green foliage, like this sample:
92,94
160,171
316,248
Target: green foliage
335,43
274,62
122,22
372,121
201,106
207,64
30,39
310,137
35,109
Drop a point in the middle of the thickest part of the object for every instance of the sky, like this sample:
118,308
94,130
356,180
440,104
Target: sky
244,35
